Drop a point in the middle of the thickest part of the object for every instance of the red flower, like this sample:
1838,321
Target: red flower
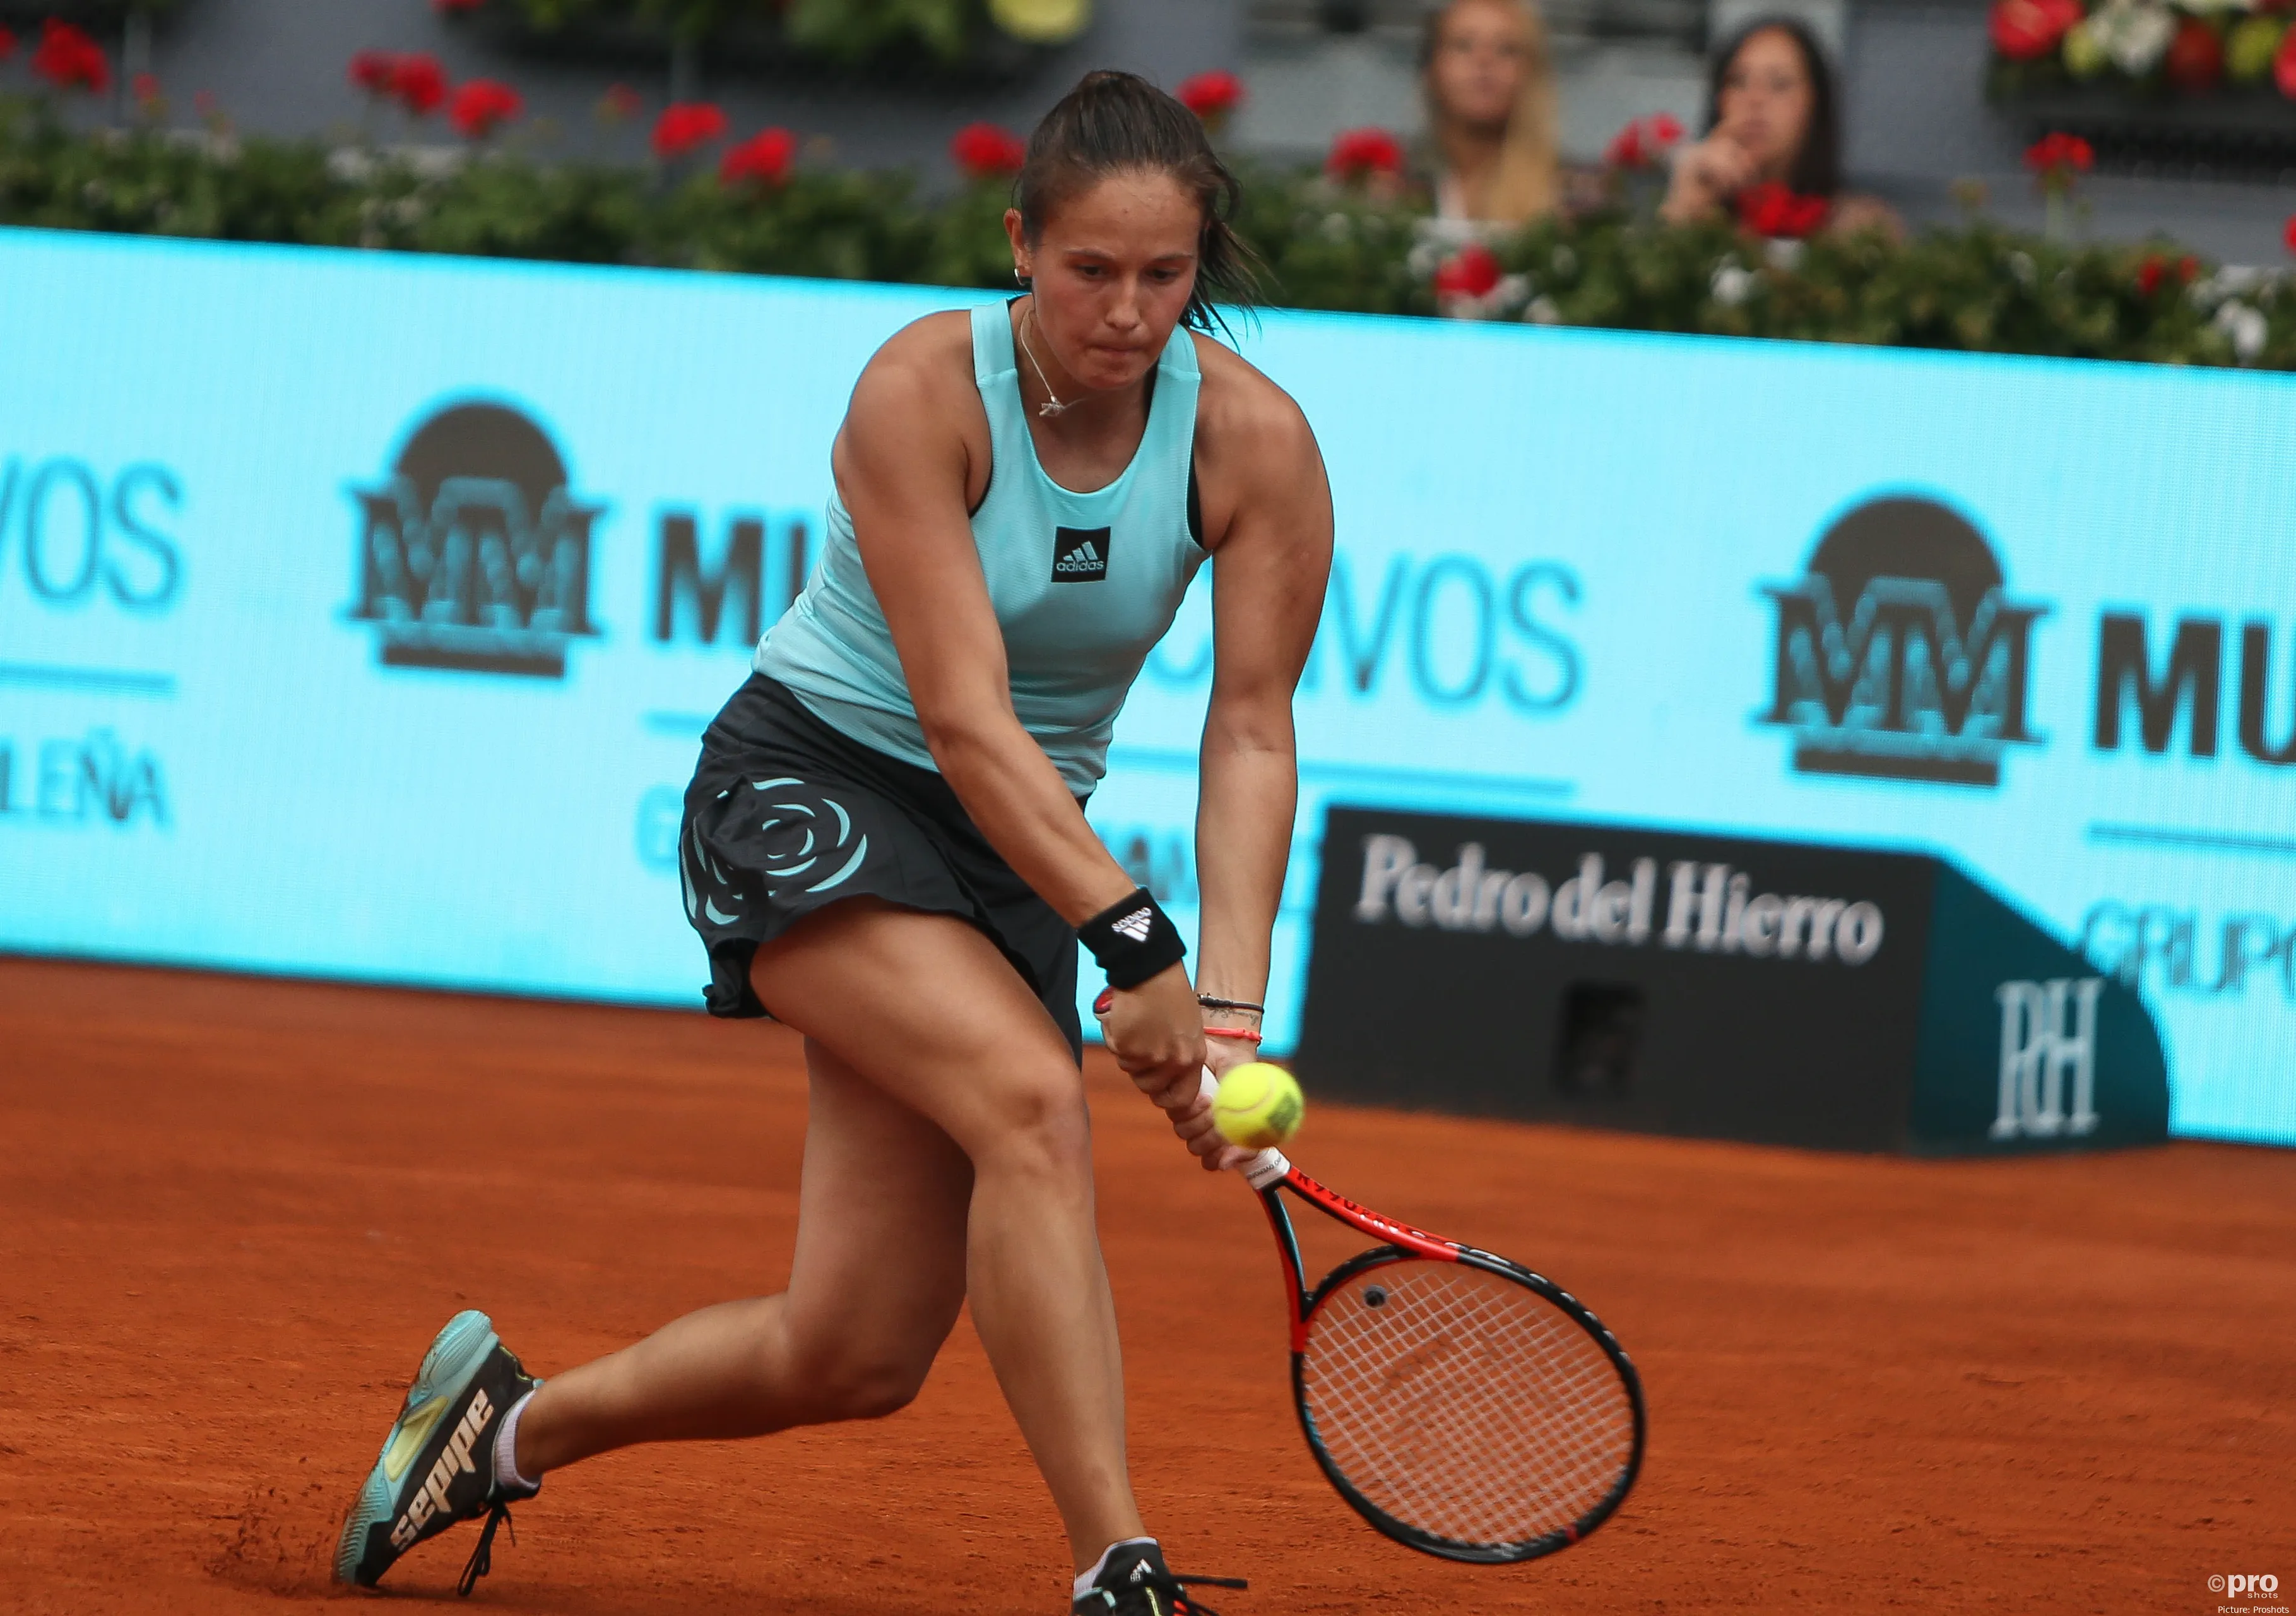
145,88
985,152
2155,271
1770,210
2283,65
1644,142
419,82
619,103
2195,59
375,71
1358,153
762,159
2058,157
2025,30
2288,233
69,59
1211,96
480,105
7,44
685,127
1471,272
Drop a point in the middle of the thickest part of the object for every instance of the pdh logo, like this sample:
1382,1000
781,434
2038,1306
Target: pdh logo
474,554
1900,656
2048,1058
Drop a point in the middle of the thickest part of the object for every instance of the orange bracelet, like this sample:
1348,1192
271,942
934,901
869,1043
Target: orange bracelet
1231,1032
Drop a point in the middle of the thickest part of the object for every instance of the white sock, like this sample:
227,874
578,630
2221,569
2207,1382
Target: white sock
1085,1580
507,1453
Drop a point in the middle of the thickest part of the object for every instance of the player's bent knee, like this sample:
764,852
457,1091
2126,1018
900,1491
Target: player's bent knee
863,1389
1040,1128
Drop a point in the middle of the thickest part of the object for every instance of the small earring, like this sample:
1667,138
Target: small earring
1018,278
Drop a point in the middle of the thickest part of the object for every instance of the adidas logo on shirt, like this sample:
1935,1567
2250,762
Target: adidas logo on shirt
1079,555
1134,926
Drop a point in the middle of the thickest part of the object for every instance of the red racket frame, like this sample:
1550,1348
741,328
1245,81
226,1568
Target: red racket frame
1270,1174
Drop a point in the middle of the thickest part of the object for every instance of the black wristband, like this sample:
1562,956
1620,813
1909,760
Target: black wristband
1132,939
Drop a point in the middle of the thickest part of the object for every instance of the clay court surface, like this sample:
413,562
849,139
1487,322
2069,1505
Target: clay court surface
233,1212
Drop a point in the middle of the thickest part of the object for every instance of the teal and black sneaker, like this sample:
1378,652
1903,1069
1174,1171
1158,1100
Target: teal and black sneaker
437,1464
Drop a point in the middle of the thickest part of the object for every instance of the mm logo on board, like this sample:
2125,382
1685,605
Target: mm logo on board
1899,655
473,553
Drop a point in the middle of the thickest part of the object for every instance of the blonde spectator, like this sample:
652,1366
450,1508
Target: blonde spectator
1489,85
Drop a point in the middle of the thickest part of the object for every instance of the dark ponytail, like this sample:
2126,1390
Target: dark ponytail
1112,123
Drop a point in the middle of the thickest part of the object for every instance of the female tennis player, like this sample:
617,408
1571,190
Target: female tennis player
885,847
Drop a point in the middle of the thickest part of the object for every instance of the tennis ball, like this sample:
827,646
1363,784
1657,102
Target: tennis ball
1257,1105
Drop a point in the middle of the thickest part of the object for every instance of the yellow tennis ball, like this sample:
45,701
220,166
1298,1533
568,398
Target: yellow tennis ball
1258,1105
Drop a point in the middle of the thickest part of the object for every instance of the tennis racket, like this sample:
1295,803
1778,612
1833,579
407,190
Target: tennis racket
1462,1404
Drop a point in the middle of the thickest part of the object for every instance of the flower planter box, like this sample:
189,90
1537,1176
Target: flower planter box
2230,133
752,47
104,18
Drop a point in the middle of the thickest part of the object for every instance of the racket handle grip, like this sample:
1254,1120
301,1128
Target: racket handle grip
1262,1168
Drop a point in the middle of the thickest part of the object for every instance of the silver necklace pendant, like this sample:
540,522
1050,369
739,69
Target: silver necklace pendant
1052,406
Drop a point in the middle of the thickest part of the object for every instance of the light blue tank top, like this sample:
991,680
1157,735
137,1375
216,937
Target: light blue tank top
1083,585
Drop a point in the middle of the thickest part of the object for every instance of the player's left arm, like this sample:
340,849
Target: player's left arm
1267,506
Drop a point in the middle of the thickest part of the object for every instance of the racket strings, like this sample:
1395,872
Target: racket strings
1465,1405
1449,1400
1457,1449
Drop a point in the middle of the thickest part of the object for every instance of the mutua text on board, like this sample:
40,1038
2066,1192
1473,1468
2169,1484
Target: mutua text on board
1717,987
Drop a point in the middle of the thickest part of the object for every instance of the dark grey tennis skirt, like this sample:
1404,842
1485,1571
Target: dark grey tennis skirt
785,815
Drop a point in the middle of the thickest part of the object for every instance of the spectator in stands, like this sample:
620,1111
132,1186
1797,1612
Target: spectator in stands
1489,85
1771,118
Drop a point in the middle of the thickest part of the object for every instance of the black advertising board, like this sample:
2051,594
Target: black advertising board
1713,987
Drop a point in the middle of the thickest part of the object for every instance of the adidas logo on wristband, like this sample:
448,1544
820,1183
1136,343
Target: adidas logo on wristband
1132,939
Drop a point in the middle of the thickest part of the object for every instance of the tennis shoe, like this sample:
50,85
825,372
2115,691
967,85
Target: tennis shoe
436,1466
1135,1582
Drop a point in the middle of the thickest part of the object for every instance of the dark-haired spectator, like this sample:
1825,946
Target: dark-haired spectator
1773,119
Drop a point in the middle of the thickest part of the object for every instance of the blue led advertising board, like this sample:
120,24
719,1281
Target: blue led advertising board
2038,616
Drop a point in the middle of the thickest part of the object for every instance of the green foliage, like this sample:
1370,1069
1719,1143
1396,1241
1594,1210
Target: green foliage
838,226
1980,287
856,31
1327,247
965,243
148,183
849,31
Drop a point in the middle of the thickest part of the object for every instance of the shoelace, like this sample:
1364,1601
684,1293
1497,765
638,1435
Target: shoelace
482,1558
1197,1607
1173,1585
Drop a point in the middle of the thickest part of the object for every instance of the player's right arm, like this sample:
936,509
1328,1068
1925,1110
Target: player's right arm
914,446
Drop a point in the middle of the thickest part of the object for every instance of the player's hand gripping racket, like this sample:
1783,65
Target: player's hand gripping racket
1462,1404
